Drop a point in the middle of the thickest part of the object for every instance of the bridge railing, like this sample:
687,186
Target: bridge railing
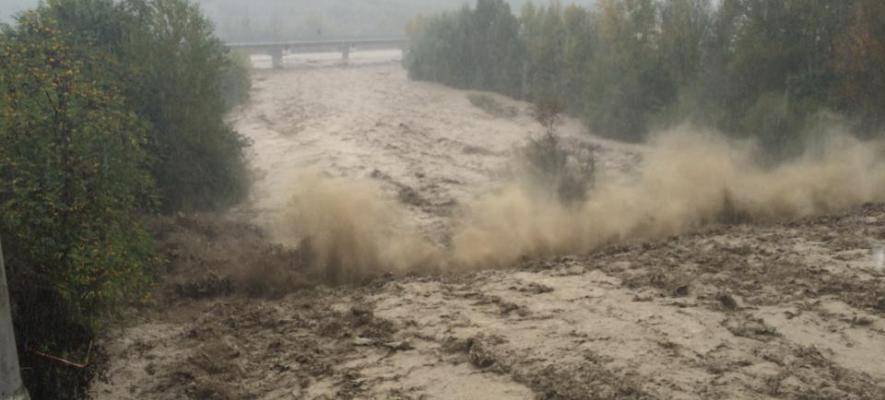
343,46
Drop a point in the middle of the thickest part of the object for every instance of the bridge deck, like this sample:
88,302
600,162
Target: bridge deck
318,44
344,46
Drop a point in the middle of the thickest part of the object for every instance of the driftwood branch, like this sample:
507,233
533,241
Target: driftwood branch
63,361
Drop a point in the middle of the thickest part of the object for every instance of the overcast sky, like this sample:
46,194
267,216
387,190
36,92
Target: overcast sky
239,20
8,8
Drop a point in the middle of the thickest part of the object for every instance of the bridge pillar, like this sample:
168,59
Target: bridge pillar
276,56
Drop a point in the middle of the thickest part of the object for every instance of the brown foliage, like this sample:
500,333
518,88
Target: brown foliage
208,256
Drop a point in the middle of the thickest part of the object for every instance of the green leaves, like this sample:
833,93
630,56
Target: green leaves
103,105
178,79
71,165
181,67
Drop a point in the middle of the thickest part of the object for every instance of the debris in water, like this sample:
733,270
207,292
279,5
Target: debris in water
878,258
362,341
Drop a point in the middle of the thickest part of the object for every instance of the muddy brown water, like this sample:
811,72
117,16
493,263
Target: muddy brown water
781,310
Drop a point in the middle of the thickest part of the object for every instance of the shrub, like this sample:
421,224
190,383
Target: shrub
556,169
550,165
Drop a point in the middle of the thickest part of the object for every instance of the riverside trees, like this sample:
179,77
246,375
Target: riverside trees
766,69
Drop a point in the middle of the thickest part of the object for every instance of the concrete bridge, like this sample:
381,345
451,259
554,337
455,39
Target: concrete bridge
343,46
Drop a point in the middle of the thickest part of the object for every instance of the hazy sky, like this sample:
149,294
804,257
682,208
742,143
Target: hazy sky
8,8
291,19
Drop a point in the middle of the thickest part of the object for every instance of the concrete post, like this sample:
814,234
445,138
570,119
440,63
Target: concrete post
11,387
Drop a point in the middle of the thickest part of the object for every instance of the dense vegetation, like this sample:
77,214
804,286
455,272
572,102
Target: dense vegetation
768,69
109,111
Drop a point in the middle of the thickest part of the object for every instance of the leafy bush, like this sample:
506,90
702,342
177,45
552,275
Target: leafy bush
556,169
72,182
550,165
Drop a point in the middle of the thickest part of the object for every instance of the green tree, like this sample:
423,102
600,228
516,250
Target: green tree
176,74
627,81
72,182
860,50
101,104
543,34
684,24
578,52
684,31
776,56
494,47
764,69
472,48
178,64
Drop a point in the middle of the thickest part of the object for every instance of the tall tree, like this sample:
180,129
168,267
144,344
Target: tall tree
72,183
859,65
578,52
684,24
627,81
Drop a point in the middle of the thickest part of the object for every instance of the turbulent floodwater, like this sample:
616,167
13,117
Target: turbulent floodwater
381,173
420,142
774,310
